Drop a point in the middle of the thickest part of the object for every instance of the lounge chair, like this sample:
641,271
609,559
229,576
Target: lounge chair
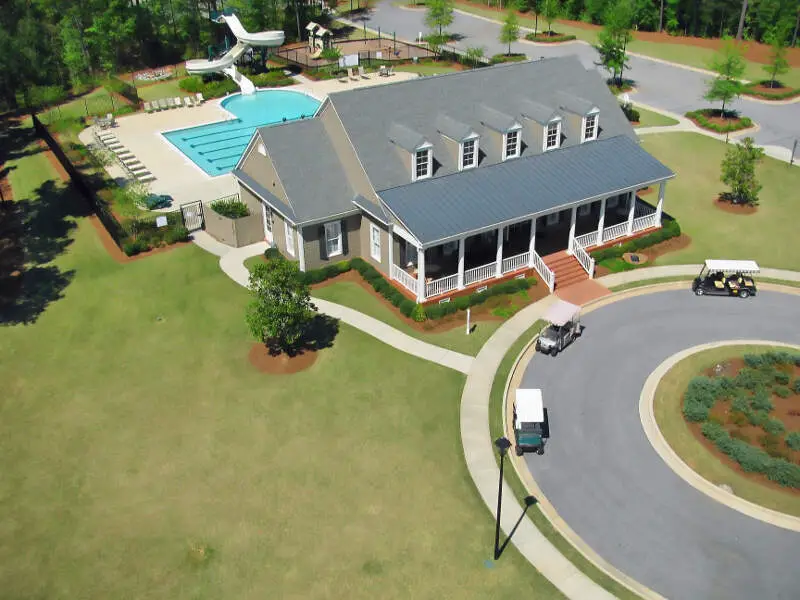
170,103
187,102
351,75
199,97
343,78
110,120
390,71
361,73
178,102
162,104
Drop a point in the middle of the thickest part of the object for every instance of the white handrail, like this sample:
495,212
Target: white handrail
615,231
480,273
544,271
587,239
406,280
441,285
587,262
515,263
644,222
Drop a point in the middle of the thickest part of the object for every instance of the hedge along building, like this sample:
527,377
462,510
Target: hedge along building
456,181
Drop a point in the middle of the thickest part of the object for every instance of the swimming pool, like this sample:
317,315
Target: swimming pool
217,147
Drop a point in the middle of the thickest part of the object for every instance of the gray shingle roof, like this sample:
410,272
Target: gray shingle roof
455,130
309,169
494,119
261,191
435,209
538,112
574,104
406,138
369,113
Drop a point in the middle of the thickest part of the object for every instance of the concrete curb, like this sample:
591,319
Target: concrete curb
676,463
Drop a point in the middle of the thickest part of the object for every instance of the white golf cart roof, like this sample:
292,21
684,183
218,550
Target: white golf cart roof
561,312
737,266
528,406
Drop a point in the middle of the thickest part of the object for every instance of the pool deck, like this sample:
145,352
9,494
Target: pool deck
176,175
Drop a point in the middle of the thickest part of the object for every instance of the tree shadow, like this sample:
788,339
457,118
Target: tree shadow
320,333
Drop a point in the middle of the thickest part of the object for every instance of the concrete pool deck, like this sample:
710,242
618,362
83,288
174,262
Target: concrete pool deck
175,174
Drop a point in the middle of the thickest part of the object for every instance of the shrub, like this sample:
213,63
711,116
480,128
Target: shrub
702,119
134,247
761,401
176,234
503,58
774,426
782,391
757,418
752,459
669,230
793,440
45,95
751,379
211,89
741,404
274,78
754,360
273,254
630,112
784,473
549,39
713,431
232,209
407,306
782,378
330,53
418,314
796,386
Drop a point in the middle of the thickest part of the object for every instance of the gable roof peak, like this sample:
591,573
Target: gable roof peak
406,138
494,119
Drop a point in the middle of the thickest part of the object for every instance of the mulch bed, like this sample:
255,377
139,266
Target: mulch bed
280,364
481,312
735,123
734,209
782,411
764,91
653,252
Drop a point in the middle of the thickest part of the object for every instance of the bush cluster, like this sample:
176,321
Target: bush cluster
214,88
702,116
232,209
274,78
781,93
669,230
630,112
504,58
793,440
699,398
406,306
549,39
142,235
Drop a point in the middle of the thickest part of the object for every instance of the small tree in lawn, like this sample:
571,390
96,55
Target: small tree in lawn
739,171
509,32
729,67
474,54
778,64
551,10
439,15
281,308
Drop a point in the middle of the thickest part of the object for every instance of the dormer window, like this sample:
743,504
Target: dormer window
469,154
422,163
511,144
590,127
552,138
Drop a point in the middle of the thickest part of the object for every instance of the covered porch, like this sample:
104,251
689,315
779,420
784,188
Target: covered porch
473,260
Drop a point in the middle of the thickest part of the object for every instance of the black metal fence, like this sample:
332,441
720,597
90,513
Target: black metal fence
394,51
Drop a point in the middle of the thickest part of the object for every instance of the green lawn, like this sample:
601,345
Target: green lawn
648,118
134,427
766,236
426,69
164,89
95,102
670,420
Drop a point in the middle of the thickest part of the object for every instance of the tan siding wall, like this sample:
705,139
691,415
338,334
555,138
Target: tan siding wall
313,237
366,244
260,168
574,124
533,135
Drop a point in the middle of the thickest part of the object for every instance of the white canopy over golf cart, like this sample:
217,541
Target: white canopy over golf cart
565,326
726,278
529,424
732,266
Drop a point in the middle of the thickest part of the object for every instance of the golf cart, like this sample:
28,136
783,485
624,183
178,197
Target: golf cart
726,278
565,326
530,424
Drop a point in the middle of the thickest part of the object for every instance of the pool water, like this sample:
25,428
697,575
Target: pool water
217,147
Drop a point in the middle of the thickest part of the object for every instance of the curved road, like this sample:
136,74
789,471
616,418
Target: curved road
604,478
663,86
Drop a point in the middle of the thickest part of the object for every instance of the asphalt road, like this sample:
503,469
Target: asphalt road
603,476
670,88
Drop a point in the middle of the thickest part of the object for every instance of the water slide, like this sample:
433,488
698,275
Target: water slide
244,41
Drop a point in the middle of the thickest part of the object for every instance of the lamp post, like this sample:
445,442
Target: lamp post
502,446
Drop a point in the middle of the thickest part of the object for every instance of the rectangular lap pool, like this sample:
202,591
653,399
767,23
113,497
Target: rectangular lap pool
217,147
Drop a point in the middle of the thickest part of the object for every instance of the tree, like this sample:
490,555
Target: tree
474,54
439,14
551,10
741,21
281,308
509,32
614,38
729,67
739,171
778,64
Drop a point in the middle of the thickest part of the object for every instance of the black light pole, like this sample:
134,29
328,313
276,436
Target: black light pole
502,445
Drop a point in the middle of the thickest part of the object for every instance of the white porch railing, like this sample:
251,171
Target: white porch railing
406,280
644,222
544,271
441,286
587,240
615,231
642,210
480,273
587,262
515,263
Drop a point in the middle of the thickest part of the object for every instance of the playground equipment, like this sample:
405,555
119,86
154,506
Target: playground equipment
244,41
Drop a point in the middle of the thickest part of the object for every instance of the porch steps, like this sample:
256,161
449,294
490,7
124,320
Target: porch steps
567,269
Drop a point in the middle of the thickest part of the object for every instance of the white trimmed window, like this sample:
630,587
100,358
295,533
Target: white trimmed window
422,163
511,144
590,127
267,218
469,154
375,242
552,138
333,238
289,237
262,150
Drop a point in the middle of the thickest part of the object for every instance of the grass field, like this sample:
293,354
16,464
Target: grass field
134,429
670,420
95,102
165,89
648,118
766,236
427,69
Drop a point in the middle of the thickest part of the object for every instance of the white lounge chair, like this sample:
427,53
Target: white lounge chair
146,107
110,120
178,102
187,102
200,98
390,71
361,72
351,75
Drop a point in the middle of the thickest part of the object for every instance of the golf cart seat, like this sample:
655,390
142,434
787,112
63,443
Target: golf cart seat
718,283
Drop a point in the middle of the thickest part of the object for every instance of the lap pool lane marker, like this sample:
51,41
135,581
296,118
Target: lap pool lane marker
678,466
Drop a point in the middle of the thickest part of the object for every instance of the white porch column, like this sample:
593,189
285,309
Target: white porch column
573,217
532,243
632,200
602,222
460,281
391,251
660,206
420,274
498,265
301,251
